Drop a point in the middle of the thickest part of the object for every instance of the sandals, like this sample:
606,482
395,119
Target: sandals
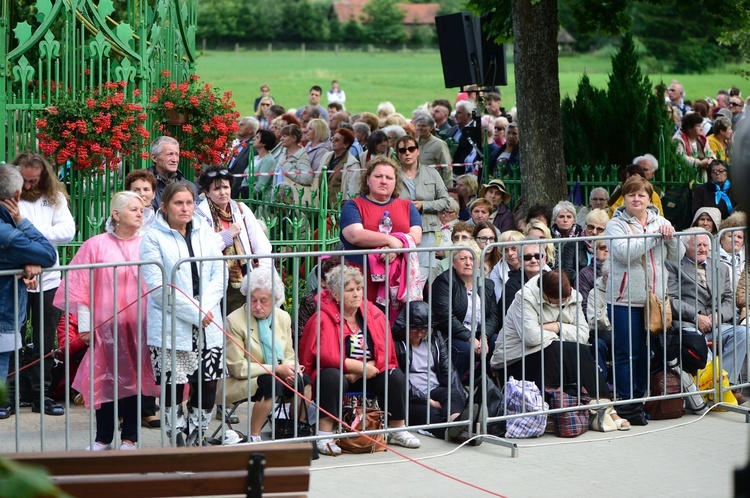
50,408
622,424
6,411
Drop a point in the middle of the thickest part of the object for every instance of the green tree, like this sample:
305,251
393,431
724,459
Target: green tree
613,126
335,30
219,20
384,22
533,26
353,32
682,36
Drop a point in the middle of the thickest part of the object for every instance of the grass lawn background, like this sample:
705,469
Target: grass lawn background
406,79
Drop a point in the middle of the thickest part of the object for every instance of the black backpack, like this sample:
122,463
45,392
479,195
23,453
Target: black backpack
677,204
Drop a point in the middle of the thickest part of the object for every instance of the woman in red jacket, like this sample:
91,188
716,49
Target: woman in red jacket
368,356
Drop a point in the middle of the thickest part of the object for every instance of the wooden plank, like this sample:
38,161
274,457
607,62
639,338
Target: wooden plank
278,480
212,458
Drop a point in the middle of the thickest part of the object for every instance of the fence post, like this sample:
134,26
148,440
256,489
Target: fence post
303,49
336,49
270,49
204,44
236,48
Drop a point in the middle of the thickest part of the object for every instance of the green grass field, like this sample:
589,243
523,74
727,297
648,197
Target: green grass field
406,79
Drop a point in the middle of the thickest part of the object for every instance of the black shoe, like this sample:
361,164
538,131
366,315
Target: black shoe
50,408
6,411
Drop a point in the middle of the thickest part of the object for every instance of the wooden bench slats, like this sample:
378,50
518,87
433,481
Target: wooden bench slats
170,459
282,480
159,472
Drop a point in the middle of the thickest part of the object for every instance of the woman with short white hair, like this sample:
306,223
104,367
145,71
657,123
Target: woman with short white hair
263,329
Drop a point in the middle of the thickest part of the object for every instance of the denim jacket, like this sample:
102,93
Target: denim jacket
20,245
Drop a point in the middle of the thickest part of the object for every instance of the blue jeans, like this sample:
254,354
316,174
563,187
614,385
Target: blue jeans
631,360
4,362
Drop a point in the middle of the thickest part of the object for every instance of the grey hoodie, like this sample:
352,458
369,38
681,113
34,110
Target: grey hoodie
627,280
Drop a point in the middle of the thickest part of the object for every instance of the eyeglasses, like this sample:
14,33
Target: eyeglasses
529,257
218,172
594,228
600,199
484,240
411,148
457,238
266,104
447,211
719,171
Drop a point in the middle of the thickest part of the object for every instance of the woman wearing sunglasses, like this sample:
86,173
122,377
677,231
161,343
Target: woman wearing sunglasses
533,262
424,187
237,230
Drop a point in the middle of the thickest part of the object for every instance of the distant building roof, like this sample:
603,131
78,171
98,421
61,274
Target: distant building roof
564,37
422,13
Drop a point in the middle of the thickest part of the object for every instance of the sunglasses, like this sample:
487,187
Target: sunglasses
593,228
529,257
219,172
411,148
456,238
484,240
734,104
600,199
718,171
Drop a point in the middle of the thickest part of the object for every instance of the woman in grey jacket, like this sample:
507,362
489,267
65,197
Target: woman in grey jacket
637,266
425,188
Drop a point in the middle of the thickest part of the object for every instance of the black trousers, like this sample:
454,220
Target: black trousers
332,378
418,413
43,339
562,357
105,420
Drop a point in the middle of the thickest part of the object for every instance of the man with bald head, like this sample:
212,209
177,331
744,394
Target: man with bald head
597,200
693,287
676,94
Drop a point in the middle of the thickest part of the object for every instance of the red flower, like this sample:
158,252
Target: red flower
169,105
166,73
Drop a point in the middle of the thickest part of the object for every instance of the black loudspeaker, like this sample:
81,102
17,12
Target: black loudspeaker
459,38
494,68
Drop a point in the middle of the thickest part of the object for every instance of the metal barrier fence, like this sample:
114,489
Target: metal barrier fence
447,295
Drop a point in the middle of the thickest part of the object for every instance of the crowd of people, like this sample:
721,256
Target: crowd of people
421,295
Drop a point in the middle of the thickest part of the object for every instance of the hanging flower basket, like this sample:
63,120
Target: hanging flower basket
210,119
93,130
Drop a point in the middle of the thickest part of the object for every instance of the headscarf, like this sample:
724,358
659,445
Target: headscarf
721,194
235,265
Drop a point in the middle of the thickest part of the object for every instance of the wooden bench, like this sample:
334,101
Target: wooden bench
244,470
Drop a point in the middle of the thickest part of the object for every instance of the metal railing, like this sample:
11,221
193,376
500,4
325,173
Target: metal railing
77,429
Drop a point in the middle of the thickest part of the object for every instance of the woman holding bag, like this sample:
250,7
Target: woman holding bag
237,230
638,264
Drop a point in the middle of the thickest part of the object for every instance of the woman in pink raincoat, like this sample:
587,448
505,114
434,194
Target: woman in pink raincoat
105,303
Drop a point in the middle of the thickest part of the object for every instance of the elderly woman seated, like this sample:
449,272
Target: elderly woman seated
435,391
545,339
265,331
458,312
367,361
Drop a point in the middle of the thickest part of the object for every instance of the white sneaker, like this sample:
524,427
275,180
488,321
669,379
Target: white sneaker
128,446
254,439
404,438
328,447
99,447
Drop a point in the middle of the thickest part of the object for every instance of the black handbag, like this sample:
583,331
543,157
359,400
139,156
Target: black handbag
285,423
